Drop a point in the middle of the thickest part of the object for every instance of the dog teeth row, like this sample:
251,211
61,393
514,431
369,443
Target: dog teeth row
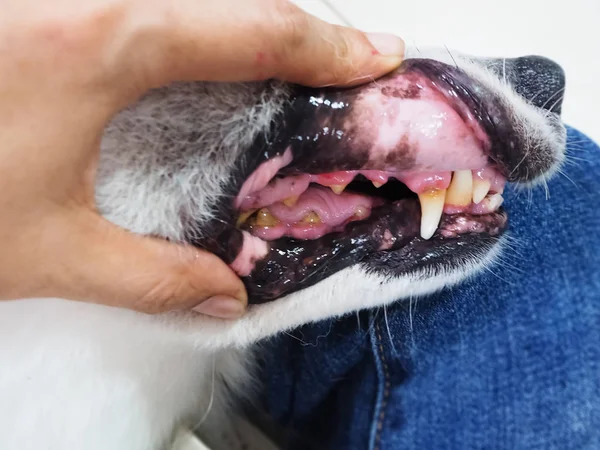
463,190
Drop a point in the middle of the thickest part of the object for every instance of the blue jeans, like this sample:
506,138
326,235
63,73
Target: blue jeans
508,360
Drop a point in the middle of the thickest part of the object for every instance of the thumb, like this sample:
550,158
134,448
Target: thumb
267,39
312,52
107,264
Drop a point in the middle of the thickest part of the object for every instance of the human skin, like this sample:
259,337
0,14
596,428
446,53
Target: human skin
67,67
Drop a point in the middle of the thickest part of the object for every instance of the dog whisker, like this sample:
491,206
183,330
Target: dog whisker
211,398
448,50
387,326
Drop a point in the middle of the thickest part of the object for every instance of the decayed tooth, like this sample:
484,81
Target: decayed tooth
377,184
312,218
290,201
244,216
264,218
338,188
460,191
432,205
480,189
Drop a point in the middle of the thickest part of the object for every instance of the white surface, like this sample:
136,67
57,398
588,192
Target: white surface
566,31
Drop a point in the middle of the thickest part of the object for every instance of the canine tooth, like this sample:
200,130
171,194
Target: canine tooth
460,191
377,184
312,218
244,216
338,188
480,189
291,201
432,205
264,218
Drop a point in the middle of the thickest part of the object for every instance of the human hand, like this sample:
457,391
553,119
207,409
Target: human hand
68,66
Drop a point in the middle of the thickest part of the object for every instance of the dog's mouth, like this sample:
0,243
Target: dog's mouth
403,174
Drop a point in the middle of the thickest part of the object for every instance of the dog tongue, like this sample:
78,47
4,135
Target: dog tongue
316,212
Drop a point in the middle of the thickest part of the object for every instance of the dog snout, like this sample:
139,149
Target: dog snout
539,80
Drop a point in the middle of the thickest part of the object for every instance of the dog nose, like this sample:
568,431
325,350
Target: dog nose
539,80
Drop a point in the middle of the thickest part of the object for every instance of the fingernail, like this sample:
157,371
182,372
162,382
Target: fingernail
221,306
386,44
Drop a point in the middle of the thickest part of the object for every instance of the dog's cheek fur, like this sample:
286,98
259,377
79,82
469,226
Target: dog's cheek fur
166,160
87,376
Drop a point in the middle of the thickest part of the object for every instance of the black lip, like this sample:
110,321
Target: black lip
435,256
292,264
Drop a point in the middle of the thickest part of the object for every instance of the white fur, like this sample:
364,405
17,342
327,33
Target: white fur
77,376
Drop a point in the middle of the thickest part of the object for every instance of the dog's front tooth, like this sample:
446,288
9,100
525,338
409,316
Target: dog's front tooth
480,189
311,218
264,218
291,201
377,184
460,191
338,188
432,205
494,202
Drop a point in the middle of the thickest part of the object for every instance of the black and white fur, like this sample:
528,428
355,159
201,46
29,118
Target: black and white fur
76,376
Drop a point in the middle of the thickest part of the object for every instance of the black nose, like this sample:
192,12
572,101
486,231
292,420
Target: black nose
539,80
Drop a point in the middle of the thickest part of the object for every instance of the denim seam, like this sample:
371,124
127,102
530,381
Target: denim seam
383,389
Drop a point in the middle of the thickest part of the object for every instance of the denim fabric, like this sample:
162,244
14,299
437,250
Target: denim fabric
508,360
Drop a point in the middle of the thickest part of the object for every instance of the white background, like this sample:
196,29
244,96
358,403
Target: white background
568,31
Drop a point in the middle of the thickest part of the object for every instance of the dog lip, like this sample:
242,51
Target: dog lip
459,90
291,265
473,101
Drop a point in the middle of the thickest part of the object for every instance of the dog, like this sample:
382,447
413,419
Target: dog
325,202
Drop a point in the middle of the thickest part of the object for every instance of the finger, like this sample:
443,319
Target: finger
256,39
105,264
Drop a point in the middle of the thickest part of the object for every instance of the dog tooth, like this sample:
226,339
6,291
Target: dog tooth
291,201
338,188
264,218
460,191
312,218
494,202
377,184
480,189
432,205
244,216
